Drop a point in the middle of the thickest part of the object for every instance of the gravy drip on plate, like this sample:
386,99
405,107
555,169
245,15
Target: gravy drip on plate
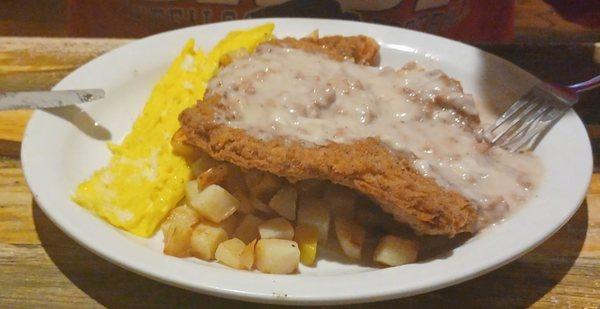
284,92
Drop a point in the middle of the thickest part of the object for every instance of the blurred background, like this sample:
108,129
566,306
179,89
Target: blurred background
474,21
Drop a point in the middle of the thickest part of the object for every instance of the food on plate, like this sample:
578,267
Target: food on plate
299,114
307,237
213,203
407,138
177,231
202,163
300,139
394,251
212,176
247,230
277,256
351,236
230,253
276,228
144,178
231,223
248,255
205,238
314,212
183,216
284,202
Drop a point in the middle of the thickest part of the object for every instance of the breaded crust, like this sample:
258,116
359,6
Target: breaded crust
368,166
360,49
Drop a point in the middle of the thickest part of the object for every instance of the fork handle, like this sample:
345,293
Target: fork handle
585,86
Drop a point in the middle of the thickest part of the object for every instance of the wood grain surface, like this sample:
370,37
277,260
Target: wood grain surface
41,266
38,64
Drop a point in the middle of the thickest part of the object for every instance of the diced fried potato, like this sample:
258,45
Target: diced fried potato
203,163
215,175
177,230
276,228
394,251
182,149
307,238
247,256
191,190
177,240
277,256
231,223
205,238
314,212
340,200
261,184
213,203
229,253
351,236
261,206
284,202
182,215
245,202
247,230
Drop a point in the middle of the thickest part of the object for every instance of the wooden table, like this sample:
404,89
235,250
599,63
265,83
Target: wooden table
41,266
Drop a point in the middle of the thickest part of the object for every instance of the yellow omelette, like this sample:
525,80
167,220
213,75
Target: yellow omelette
144,179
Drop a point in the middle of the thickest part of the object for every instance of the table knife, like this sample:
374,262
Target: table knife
47,99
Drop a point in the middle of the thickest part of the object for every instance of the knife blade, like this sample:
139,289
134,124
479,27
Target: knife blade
46,99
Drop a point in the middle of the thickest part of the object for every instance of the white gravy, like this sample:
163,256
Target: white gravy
286,92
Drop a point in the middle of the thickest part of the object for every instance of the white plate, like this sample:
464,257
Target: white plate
57,156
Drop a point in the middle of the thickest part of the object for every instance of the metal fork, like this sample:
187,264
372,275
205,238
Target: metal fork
534,113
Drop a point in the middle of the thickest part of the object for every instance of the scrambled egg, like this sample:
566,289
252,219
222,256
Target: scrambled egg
144,179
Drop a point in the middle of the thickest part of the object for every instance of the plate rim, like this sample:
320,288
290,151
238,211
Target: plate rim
258,297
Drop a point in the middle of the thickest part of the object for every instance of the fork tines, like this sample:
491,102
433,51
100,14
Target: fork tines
527,118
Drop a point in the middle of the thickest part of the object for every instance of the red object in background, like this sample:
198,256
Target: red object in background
467,20
583,12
